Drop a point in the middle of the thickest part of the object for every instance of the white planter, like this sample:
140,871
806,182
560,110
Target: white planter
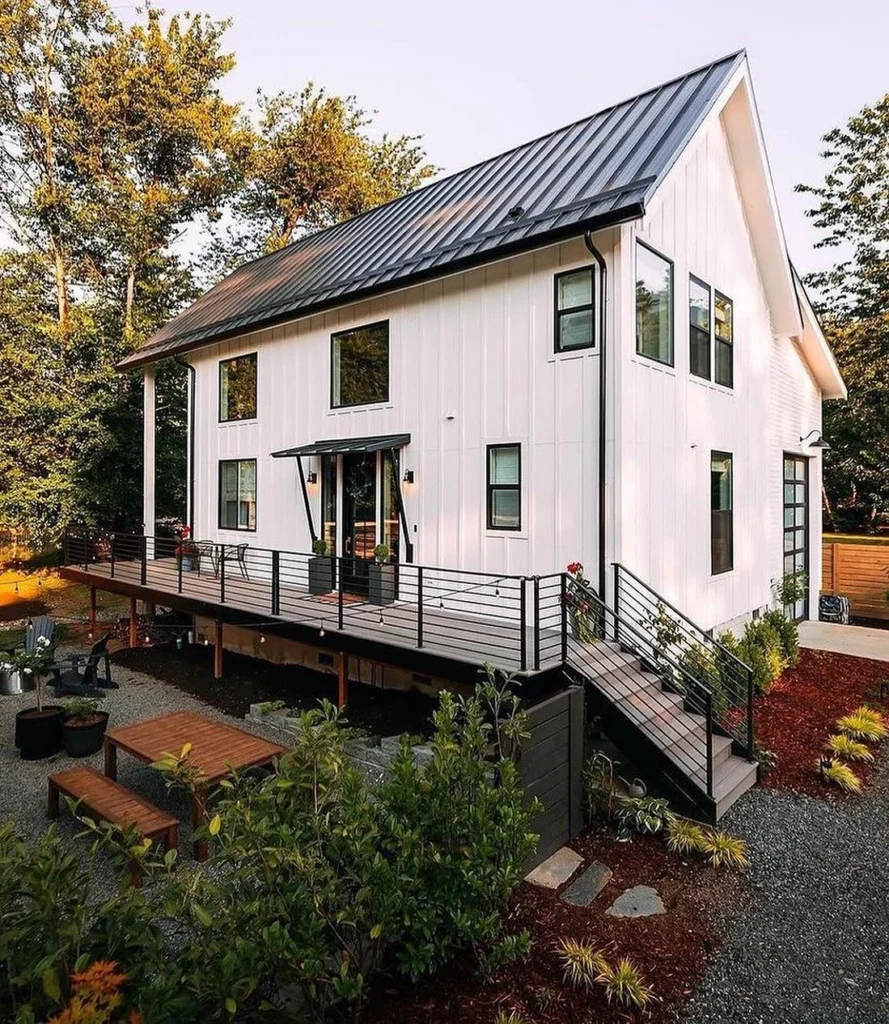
13,683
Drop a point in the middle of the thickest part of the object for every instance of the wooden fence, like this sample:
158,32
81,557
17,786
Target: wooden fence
859,571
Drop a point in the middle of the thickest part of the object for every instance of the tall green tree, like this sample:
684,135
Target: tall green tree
851,209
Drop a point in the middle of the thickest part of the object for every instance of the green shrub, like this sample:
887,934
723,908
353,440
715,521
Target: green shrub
761,648
788,635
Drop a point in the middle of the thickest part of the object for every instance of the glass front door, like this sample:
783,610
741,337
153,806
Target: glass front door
796,524
359,519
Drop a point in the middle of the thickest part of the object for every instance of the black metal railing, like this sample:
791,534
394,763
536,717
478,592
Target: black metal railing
674,639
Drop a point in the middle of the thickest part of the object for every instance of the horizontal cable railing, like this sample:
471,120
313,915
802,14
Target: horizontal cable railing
674,639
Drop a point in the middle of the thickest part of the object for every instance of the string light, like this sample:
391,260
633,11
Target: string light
262,638
321,631
381,616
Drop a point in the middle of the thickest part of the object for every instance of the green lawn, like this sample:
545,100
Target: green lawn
854,538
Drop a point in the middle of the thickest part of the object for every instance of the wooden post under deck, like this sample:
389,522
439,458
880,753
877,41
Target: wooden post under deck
342,693
92,611
134,638
217,652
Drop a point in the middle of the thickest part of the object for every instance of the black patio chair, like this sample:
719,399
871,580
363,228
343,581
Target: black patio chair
79,674
209,551
42,626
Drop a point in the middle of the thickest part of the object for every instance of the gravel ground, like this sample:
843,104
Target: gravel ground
23,783
813,946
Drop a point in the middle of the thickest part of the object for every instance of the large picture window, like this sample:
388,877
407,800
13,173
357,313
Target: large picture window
574,310
237,388
721,526
504,487
724,331
654,305
699,320
359,366
237,494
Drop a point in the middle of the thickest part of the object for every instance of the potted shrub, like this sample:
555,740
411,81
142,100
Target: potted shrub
186,550
381,577
320,569
83,730
581,610
38,730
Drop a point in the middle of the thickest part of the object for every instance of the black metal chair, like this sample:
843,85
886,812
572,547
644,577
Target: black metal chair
42,626
209,551
79,674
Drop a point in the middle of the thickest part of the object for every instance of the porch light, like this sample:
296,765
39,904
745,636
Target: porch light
818,441
408,476
311,477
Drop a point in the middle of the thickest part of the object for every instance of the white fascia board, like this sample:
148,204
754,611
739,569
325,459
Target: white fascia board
815,349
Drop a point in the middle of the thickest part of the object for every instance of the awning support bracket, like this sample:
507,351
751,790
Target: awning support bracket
408,543
302,483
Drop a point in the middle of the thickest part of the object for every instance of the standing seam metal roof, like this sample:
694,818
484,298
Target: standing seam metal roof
597,171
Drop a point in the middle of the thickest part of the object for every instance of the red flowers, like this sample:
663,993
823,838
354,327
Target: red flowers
575,568
183,532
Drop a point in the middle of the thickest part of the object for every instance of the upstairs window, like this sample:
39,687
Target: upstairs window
699,317
721,513
724,340
237,388
237,494
359,364
574,310
504,487
654,305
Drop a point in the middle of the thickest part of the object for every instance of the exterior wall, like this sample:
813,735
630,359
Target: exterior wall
668,422
471,364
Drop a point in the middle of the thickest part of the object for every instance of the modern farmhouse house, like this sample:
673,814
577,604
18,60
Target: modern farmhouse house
592,348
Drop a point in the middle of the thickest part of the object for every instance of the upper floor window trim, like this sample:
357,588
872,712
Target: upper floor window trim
723,339
238,388
504,487
656,345
572,317
363,386
700,328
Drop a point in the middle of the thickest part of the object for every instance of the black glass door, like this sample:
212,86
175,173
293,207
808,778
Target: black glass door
796,524
359,519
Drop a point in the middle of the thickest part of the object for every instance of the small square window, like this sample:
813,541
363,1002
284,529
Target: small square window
574,310
504,487
359,365
654,305
724,331
237,388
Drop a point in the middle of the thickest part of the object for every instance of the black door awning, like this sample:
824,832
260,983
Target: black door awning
337,446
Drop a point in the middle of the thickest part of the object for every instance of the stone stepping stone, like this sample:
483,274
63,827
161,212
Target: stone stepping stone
555,870
586,887
640,901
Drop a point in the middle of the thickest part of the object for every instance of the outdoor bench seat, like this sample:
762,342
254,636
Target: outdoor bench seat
108,800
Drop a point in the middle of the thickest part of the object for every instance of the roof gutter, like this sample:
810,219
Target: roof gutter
603,385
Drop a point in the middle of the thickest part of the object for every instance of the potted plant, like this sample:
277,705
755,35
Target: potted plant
38,730
186,550
84,727
381,577
580,609
320,569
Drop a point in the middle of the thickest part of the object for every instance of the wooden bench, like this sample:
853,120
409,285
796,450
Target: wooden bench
110,801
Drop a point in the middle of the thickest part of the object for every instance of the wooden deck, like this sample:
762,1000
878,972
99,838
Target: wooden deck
446,630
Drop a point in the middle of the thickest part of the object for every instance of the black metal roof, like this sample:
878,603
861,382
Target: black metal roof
337,446
598,171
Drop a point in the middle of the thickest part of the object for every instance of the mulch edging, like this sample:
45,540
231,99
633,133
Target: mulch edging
797,715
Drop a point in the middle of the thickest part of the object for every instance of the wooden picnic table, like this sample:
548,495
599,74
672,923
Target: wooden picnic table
216,749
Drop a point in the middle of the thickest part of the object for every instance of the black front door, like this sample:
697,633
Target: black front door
796,524
359,519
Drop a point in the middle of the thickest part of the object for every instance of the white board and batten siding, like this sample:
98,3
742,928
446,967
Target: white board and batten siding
472,363
669,422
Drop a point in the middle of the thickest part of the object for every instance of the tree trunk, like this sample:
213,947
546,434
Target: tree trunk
128,306
61,286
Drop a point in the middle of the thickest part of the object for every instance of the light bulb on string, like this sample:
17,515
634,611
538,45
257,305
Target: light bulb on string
262,638
321,631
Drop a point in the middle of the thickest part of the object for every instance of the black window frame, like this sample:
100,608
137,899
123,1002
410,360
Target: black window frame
714,570
672,316
717,341
558,313
491,487
694,330
225,362
219,523
352,330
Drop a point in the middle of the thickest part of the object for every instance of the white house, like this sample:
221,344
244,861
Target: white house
591,348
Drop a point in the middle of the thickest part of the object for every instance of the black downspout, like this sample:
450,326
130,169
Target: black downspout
191,419
603,282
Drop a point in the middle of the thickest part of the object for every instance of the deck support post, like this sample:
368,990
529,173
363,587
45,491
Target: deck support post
92,611
217,652
342,691
134,624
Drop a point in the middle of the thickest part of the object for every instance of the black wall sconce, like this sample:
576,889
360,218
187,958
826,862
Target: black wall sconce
408,476
311,477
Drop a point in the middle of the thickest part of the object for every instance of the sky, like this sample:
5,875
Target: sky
476,78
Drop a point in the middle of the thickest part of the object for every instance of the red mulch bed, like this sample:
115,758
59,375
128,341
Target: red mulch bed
670,950
800,711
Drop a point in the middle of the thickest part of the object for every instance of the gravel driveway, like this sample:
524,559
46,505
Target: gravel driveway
813,947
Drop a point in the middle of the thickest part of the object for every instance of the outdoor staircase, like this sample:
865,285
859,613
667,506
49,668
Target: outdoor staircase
668,694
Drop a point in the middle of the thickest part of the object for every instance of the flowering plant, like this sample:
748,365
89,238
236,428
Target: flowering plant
185,548
35,663
580,607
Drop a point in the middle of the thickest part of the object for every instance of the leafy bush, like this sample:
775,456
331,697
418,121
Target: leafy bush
847,749
723,850
582,964
840,775
787,631
762,648
642,815
624,985
863,724
684,836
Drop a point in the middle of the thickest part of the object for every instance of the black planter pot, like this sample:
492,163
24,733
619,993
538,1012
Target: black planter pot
320,574
381,579
38,734
82,740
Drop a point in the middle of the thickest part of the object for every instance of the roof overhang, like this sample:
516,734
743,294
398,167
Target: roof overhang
816,350
341,446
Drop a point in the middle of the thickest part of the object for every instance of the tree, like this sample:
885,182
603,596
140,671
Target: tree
311,163
851,208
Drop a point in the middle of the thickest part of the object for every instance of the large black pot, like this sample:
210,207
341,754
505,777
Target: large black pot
320,574
39,733
84,738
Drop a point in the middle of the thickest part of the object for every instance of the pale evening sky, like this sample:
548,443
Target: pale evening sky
475,78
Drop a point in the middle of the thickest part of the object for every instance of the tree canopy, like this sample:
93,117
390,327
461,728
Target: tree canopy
127,183
851,208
